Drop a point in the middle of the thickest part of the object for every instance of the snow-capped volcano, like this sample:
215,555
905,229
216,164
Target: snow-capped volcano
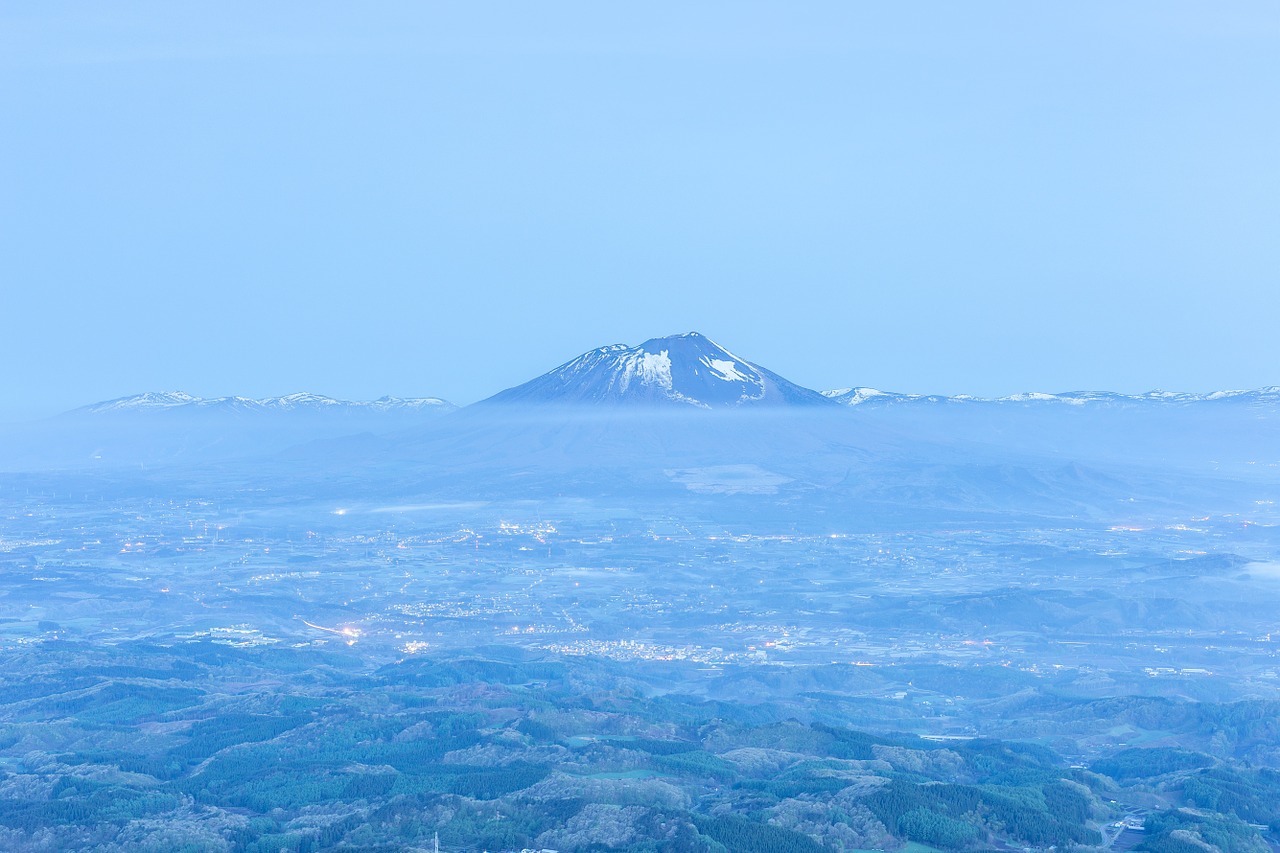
681,370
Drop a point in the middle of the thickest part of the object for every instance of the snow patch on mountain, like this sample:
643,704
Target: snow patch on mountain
654,369
724,369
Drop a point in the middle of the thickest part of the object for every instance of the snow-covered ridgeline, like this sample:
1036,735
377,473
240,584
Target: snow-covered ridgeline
872,396
172,400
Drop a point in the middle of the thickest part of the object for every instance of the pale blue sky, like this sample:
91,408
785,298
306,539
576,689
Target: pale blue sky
448,198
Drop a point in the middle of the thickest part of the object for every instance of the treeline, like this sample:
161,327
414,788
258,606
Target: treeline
747,836
1253,795
205,738
311,769
951,815
1242,724
116,702
86,803
383,759
1139,763
1178,831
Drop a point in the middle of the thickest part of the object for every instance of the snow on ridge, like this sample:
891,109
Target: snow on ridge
303,397
387,403
147,400
151,401
1027,397
858,396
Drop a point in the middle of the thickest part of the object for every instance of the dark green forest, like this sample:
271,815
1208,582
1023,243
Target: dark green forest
203,747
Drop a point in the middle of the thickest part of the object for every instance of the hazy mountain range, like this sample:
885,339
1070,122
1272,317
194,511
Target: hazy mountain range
685,412
687,370
666,522
179,401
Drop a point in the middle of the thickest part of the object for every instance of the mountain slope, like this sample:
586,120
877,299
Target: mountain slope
680,370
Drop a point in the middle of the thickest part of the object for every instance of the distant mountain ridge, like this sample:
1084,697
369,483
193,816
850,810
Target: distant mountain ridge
170,428
616,408
679,370
302,402
874,397
688,370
